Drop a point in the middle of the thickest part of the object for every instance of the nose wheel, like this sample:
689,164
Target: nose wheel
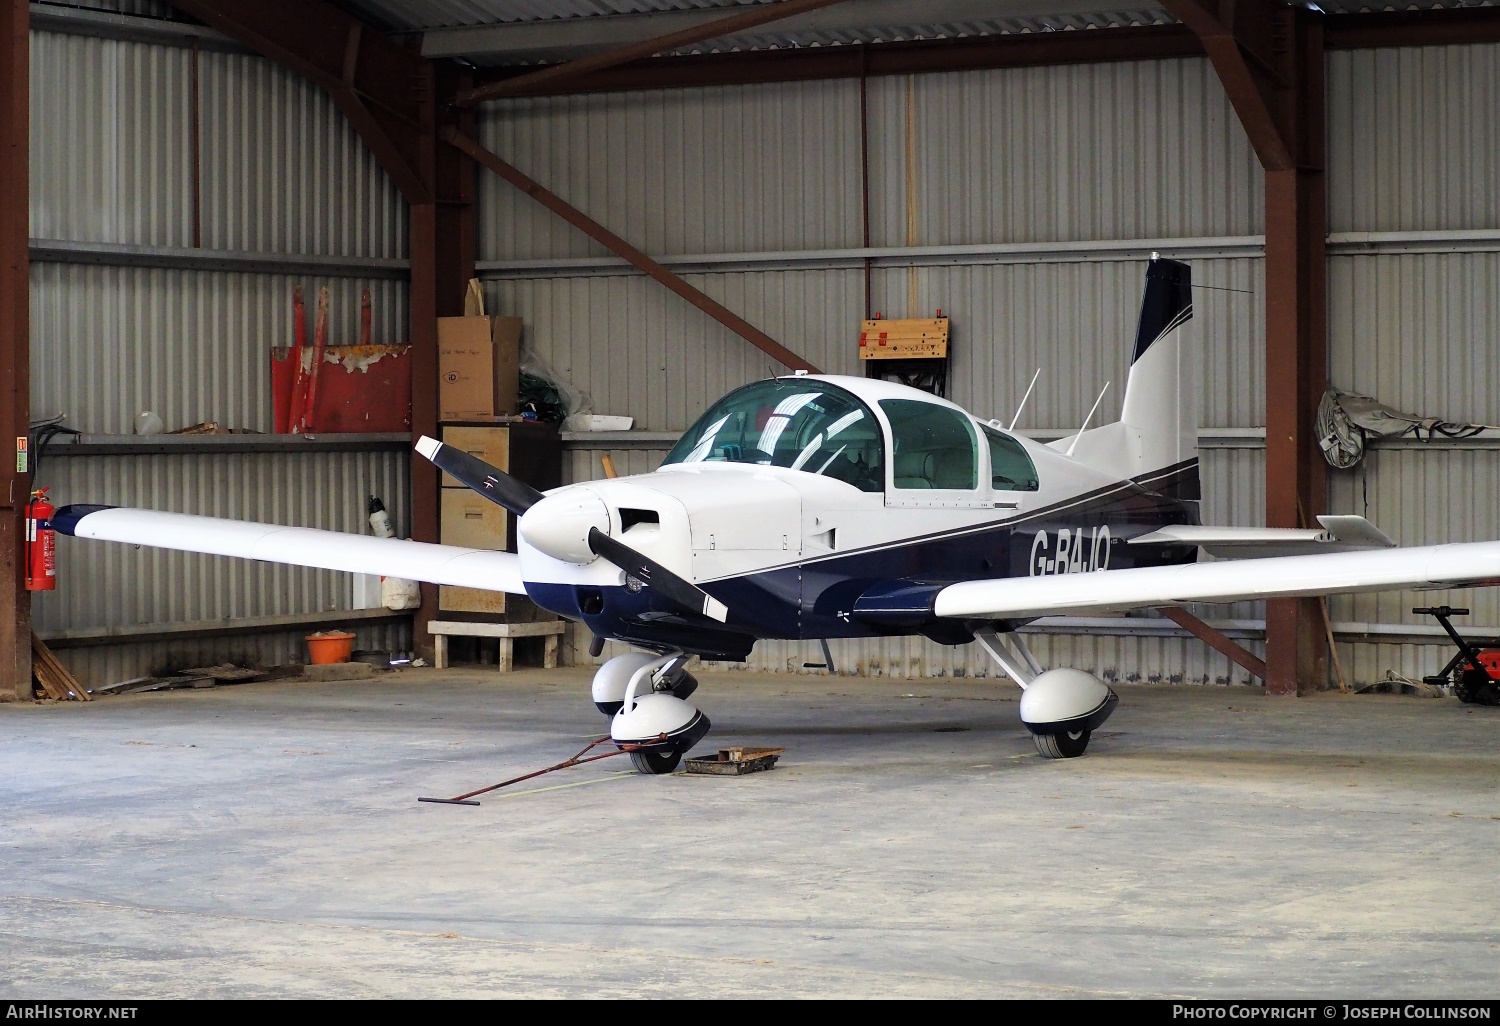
1067,745
656,762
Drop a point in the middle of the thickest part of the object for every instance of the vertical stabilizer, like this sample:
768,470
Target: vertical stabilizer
1161,394
1155,441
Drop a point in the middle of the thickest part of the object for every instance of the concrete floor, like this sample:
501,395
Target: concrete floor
265,840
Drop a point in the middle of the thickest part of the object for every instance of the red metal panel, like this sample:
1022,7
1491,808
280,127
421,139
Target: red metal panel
361,389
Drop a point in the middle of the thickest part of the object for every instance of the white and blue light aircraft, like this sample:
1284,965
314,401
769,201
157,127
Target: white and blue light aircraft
817,506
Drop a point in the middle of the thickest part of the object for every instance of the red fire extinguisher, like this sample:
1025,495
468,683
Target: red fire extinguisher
41,543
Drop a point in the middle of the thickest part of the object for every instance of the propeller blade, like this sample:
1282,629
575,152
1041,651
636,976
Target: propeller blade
495,485
657,577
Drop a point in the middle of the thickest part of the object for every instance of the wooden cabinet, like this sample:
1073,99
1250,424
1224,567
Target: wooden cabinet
532,453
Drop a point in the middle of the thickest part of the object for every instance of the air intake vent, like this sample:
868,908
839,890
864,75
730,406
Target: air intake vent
630,517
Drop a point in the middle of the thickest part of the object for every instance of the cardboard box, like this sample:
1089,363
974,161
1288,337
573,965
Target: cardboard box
491,444
478,366
471,521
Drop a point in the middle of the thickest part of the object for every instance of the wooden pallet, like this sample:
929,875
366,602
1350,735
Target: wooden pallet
54,677
734,762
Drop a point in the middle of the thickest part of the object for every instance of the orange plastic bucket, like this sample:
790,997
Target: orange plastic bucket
330,647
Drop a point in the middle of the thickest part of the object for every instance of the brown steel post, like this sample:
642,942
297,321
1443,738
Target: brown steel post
1297,353
422,219
15,346
456,240
1269,57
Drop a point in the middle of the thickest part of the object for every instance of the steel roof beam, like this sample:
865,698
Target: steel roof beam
570,38
752,18
972,53
378,84
1239,40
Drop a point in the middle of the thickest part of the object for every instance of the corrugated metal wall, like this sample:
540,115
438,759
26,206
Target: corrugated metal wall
192,346
282,173
1143,150
725,170
1110,152
1413,137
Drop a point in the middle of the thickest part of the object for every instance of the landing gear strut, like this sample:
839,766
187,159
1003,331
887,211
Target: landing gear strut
1062,708
645,697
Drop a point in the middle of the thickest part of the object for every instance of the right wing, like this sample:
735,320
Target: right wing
1472,564
298,546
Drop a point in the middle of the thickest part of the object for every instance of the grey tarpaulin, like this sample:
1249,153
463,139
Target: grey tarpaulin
1347,419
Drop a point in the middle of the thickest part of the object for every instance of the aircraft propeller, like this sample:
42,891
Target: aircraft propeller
519,497
495,485
657,577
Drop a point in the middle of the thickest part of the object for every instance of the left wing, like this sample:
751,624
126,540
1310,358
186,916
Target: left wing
1465,565
298,546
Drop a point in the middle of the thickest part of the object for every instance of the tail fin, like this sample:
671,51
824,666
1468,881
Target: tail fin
1156,437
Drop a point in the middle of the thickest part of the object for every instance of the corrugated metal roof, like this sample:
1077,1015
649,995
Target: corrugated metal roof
419,15
872,21
879,21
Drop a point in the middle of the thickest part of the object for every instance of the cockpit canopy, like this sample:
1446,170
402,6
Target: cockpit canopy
812,425
798,424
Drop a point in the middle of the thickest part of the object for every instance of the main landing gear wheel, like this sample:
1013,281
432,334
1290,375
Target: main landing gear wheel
1068,745
655,762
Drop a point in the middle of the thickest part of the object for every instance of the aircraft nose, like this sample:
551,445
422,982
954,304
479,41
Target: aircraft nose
559,525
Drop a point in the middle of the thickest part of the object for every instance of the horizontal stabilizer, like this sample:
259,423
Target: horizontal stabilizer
1339,534
297,546
1472,564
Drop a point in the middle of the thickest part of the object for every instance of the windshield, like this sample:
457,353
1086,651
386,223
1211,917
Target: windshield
794,423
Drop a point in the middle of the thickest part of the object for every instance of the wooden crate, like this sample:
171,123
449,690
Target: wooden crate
490,444
904,339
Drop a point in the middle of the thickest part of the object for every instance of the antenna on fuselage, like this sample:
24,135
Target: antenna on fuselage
1092,410
1025,397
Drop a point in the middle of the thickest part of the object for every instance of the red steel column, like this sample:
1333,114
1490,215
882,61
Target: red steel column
15,346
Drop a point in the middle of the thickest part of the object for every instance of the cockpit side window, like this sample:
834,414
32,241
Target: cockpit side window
1011,470
932,446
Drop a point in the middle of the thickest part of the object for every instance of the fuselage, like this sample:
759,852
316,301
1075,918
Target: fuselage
837,516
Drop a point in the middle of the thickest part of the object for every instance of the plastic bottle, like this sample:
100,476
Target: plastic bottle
380,520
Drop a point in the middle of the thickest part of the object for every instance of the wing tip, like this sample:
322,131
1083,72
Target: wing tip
65,519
